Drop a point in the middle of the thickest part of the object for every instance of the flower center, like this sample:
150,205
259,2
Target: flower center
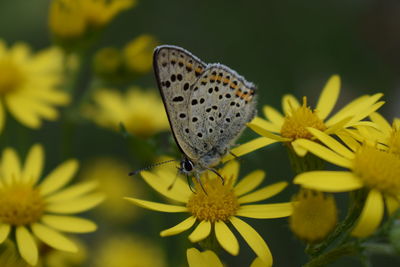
20,205
379,169
394,141
295,124
219,203
11,76
314,215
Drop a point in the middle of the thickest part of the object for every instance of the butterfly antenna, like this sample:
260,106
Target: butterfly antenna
150,167
217,173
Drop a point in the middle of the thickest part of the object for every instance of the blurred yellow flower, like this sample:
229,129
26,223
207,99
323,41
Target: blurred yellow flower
218,206
314,215
128,250
31,210
9,256
57,258
138,54
207,258
71,19
141,112
369,167
298,117
112,177
28,84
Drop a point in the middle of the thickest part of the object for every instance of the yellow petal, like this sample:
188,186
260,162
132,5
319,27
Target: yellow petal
200,259
10,166
2,116
365,113
273,115
371,215
230,170
348,140
72,192
179,192
332,143
4,231
324,153
253,239
259,263
201,232
392,204
261,131
266,125
226,238
266,211
248,147
355,107
76,205
26,245
382,122
338,126
20,108
59,177
249,182
328,97
300,151
289,103
156,206
263,193
53,238
329,181
69,223
33,164
179,228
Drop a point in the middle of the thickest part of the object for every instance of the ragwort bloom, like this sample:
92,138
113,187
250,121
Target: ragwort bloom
296,117
219,206
28,84
141,112
42,210
368,167
71,19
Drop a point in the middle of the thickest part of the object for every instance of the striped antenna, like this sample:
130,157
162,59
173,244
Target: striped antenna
150,167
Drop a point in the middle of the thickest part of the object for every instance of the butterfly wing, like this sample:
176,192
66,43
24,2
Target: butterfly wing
221,104
176,71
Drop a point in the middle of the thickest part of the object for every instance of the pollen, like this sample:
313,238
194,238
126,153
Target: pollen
216,202
20,205
295,125
394,141
11,77
378,169
314,215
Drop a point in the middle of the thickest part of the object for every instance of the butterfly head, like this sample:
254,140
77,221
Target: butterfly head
187,166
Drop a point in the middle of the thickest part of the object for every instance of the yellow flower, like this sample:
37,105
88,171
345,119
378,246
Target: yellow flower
57,258
296,117
138,53
368,167
207,258
141,112
70,19
28,84
31,210
129,251
112,176
219,206
314,215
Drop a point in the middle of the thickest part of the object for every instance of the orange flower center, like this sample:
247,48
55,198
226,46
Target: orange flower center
11,77
295,124
20,205
216,202
379,169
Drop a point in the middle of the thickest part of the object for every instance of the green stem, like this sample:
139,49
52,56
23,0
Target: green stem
309,162
333,255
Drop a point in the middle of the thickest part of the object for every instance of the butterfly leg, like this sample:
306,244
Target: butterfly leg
219,175
198,178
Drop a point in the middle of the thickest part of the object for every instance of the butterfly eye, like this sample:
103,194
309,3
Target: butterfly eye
187,165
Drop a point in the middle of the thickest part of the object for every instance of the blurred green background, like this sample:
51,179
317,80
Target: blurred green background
282,46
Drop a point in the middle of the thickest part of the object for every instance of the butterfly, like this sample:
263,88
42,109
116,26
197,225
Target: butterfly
208,106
